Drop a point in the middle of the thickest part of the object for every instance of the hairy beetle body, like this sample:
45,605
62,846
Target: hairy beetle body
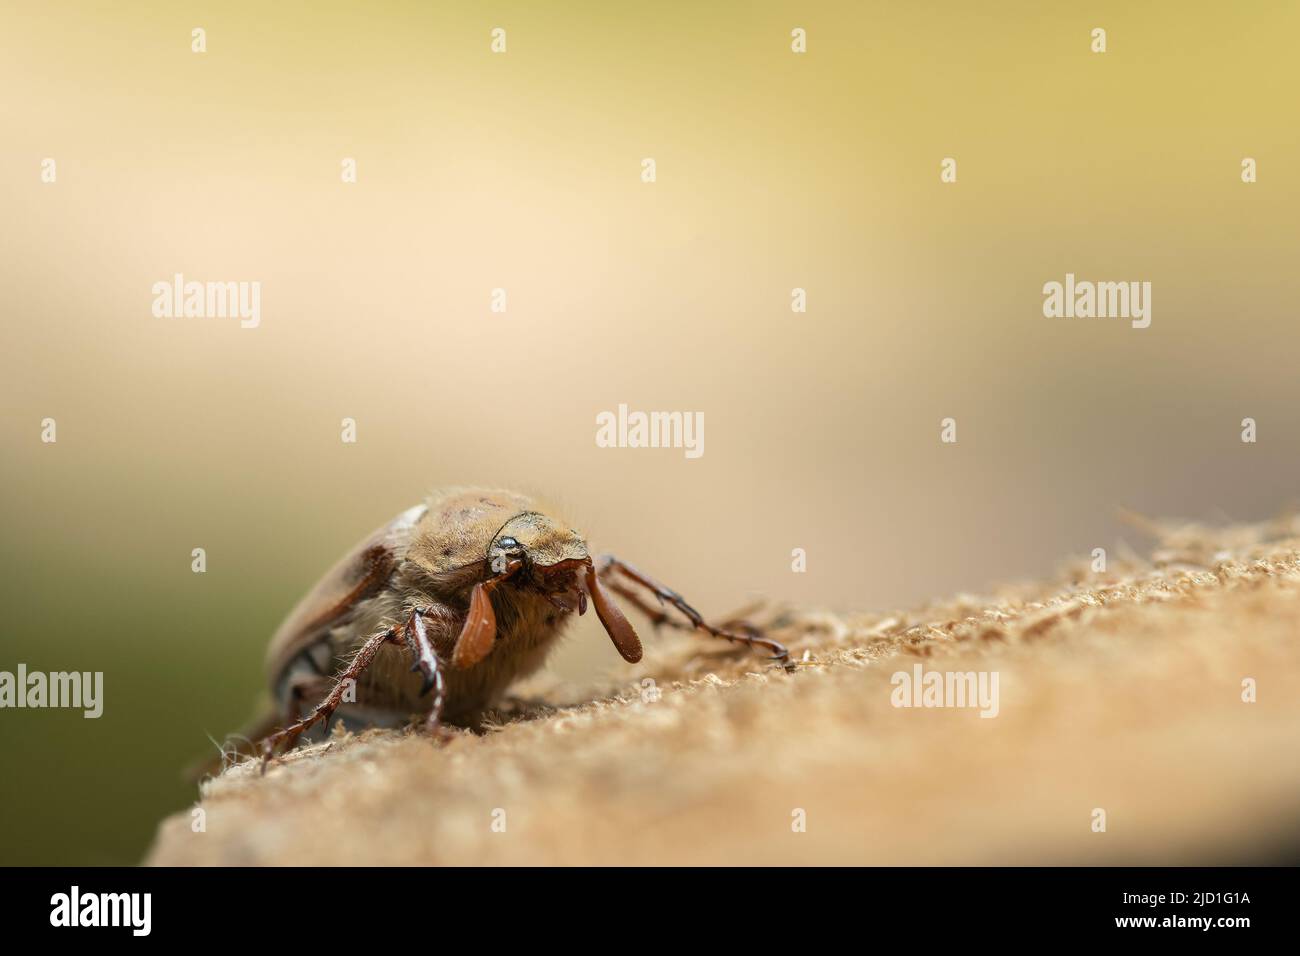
439,611
429,557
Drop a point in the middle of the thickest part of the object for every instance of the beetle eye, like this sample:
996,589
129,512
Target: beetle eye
508,544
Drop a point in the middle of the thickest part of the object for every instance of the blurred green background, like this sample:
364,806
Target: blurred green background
522,171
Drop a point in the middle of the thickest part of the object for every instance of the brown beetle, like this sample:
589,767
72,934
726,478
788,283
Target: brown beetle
443,608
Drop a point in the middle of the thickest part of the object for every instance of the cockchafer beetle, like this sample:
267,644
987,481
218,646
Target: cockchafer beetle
439,611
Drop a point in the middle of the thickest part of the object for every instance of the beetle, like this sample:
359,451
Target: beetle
440,610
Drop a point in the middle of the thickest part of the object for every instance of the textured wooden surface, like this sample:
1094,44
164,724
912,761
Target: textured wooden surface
1118,690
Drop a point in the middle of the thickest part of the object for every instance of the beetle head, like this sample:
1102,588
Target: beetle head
538,541
536,552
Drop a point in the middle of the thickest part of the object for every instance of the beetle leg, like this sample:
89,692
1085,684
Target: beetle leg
360,661
657,615
754,638
301,688
426,662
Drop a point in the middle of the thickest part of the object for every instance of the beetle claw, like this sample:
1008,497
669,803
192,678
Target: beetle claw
428,677
427,671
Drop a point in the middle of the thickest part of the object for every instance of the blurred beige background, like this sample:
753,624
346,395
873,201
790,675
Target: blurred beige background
522,171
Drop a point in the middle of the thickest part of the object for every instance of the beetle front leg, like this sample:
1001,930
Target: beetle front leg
360,661
610,564
416,635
